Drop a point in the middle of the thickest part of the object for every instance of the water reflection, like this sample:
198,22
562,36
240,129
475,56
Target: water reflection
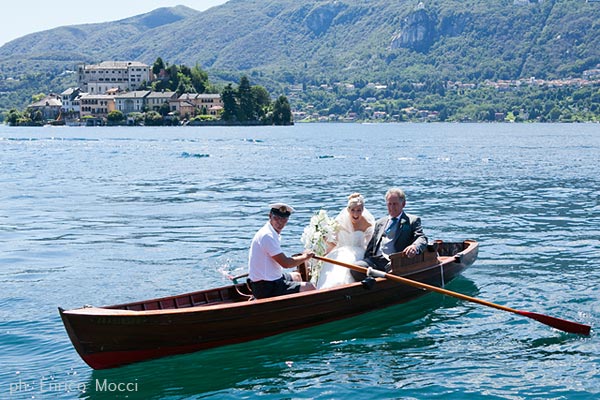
105,216
310,354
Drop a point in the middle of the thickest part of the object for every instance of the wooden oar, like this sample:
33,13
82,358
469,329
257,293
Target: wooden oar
560,324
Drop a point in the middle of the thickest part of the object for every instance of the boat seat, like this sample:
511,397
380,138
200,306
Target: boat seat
304,272
402,264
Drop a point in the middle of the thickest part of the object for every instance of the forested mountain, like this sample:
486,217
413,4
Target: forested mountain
283,42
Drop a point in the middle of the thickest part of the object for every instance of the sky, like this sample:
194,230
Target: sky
21,17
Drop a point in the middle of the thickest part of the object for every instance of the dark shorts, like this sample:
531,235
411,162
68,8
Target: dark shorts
279,287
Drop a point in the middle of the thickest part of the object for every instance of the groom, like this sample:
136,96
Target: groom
397,232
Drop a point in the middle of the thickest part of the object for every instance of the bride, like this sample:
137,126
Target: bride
356,229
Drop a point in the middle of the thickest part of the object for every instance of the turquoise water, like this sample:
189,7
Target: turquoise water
109,215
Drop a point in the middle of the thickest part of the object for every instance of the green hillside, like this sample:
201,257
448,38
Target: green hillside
283,42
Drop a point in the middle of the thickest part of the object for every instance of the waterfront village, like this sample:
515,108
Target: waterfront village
113,86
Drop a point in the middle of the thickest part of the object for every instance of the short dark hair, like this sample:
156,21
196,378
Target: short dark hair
281,212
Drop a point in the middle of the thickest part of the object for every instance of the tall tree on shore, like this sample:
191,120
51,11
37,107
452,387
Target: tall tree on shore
282,112
246,104
230,107
262,102
246,101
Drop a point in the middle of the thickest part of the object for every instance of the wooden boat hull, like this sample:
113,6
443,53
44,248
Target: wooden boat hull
107,337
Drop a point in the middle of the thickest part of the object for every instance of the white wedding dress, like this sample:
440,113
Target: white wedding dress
350,248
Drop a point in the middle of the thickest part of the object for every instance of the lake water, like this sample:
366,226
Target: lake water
110,215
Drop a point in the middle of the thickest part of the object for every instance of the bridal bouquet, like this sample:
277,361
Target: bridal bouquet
320,231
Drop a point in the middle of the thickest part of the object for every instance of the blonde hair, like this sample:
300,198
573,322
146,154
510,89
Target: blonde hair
355,199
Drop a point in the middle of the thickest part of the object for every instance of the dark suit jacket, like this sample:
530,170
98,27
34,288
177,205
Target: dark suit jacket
409,232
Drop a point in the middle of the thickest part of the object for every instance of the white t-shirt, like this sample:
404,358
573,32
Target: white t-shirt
265,245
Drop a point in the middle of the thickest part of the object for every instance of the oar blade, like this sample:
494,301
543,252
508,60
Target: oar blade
558,323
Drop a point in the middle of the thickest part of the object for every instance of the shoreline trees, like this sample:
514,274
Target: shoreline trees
244,105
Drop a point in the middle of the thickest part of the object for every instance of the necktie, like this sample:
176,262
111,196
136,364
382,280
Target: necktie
391,230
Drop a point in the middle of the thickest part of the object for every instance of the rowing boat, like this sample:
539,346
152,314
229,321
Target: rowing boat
111,336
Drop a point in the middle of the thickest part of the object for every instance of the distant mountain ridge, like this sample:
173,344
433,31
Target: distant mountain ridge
280,42
89,42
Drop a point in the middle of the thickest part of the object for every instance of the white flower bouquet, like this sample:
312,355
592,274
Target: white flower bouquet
317,235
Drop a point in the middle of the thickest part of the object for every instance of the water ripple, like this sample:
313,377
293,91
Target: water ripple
104,216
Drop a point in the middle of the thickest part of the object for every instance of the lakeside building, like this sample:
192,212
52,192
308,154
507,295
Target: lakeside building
129,102
211,103
155,100
192,104
112,86
50,107
96,105
70,100
121,75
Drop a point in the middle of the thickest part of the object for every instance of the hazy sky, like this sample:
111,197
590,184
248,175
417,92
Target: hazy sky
21,17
